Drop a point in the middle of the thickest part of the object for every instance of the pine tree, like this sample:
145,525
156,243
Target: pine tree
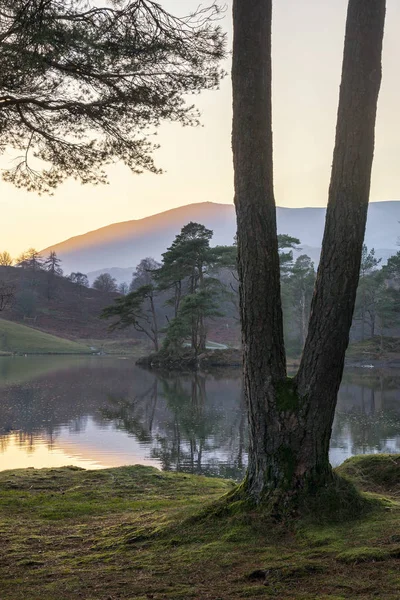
82,85
291,418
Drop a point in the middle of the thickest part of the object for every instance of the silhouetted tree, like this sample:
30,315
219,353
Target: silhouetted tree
105,283
300,283
5,259
137,310
189,323
30,260
392,269
367,289
186,270
52,264
80,280
144,273
81,84
123,288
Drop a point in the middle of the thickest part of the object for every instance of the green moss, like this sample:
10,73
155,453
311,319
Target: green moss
134,532
377,472
338,500
357,555
287,461
287,398
254,591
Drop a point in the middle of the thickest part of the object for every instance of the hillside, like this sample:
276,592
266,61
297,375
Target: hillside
73,313
62,309
119,247
20,339
125,244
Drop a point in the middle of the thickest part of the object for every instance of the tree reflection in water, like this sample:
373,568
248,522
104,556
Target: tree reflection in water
191,432
192,422
368,413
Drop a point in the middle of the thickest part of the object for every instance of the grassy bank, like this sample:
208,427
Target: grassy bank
15,338
128,533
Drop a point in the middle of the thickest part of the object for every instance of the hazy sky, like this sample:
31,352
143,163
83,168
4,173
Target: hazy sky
307,52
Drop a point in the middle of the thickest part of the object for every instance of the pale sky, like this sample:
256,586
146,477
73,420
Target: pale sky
307,53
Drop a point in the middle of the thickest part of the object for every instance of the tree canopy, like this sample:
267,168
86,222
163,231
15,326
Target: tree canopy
105,283
83,84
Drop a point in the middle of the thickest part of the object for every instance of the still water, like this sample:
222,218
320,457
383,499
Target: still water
103,412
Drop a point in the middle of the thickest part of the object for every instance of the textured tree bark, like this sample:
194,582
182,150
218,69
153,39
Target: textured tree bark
291,419
258,260
332,308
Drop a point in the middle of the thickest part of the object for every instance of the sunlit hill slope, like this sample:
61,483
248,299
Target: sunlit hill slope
119,247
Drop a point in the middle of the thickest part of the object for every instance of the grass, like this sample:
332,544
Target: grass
15,338
134,533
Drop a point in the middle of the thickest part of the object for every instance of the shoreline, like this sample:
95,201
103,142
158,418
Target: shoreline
232,358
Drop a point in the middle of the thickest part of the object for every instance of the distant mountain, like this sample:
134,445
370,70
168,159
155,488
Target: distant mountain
118,248
125,244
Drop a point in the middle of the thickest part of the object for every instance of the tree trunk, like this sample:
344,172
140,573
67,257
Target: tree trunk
155,324
363,313
381,336
202,326
373,319
303,318
178,295
290,421
258,259
332,307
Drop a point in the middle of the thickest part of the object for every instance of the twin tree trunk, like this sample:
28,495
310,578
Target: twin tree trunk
291,419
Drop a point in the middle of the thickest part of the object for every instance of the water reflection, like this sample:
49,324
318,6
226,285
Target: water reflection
368,414
95,412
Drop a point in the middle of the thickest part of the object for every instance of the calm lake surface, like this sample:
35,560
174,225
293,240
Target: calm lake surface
103,412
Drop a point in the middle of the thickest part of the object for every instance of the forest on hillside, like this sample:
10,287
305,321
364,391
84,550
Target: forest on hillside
192,296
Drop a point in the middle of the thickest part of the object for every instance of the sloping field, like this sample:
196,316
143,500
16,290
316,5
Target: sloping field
25,340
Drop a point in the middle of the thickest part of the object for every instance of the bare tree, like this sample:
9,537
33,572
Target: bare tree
5,259
80,280
123,288
105,283
144,273
30,260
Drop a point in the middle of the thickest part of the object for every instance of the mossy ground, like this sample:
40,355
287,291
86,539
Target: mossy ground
131,533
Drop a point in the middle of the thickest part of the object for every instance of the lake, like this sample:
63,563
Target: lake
96,412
